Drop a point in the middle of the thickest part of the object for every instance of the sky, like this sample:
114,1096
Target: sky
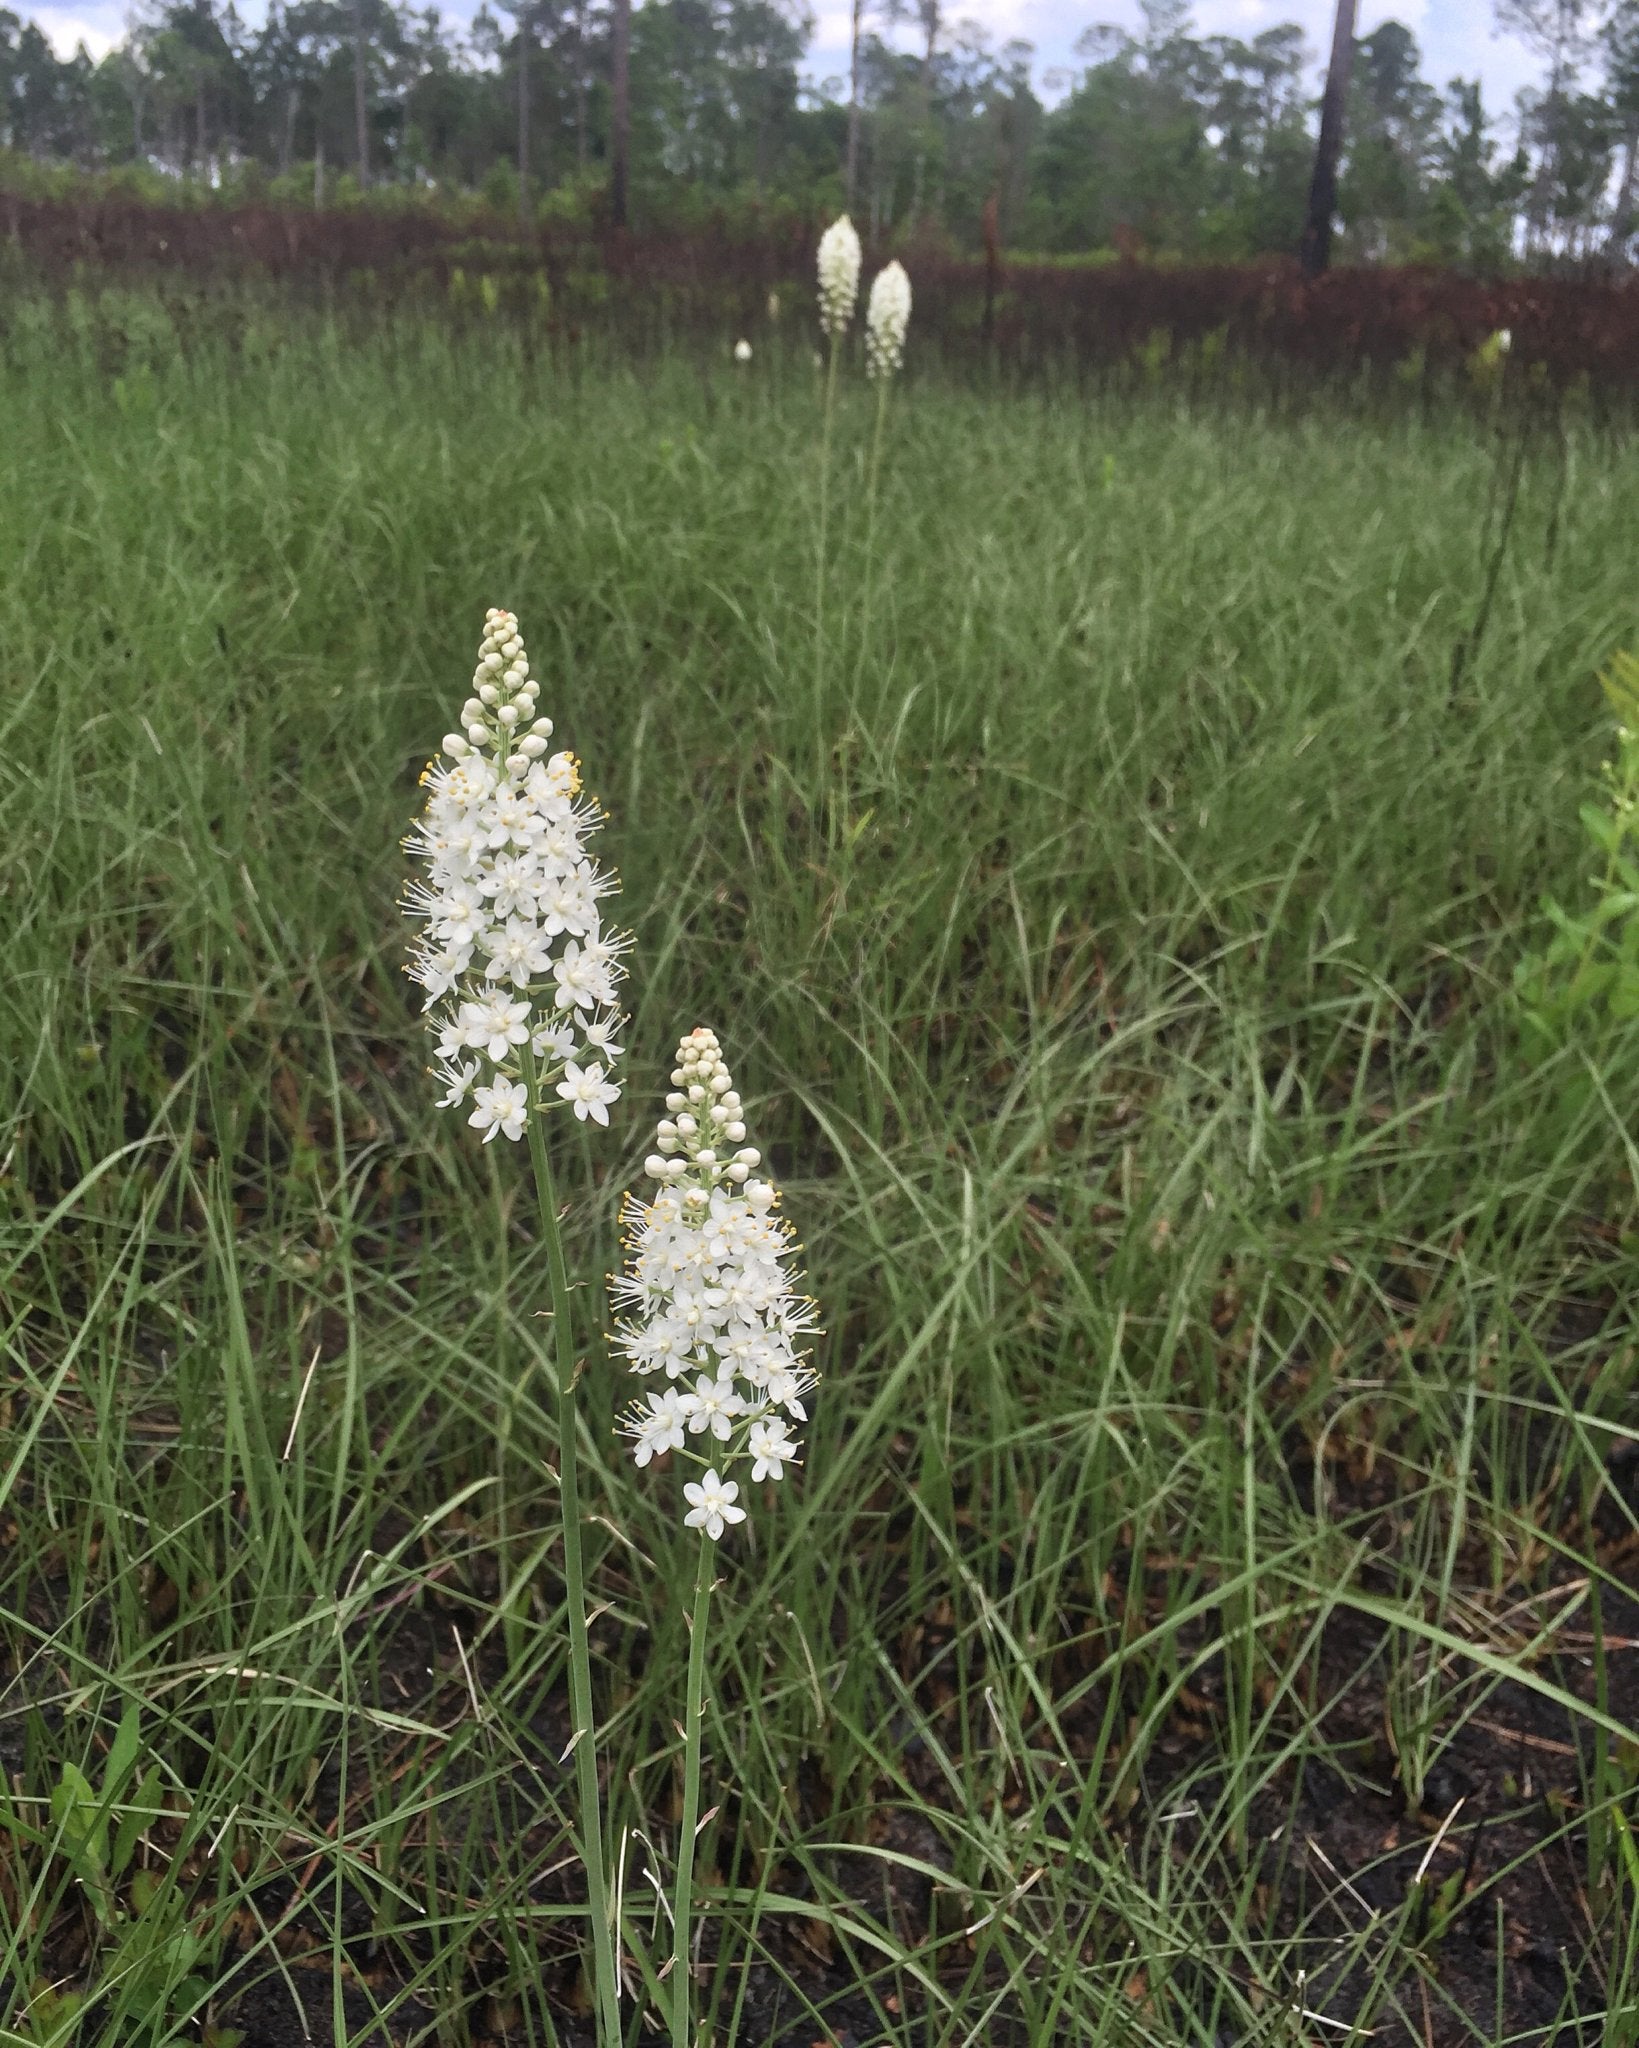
1457,36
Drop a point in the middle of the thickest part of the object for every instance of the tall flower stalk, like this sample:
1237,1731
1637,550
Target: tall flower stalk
887,316
520,978
708,1298
839,262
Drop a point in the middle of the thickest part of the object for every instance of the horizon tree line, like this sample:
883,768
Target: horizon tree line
1165,140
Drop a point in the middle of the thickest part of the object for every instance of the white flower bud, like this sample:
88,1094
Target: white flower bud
508,714
533,748
696,1092
517,763
734,1132
490,694
749,1157
839,261
471,710
705,1156
738,1173
687,1126
656,1169
675,1102
542,728
492,662
455,746
719,1083
886,319
478,733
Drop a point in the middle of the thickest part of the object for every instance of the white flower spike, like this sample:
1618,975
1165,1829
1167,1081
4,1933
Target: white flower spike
839,263
742,351
886,318
513,950
708,1295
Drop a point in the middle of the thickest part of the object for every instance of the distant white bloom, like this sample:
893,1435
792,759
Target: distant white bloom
708,1295
742,351
1504,338
886,318
839,262
711,1504
512,934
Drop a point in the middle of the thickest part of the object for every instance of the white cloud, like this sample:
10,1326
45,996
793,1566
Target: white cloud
99,28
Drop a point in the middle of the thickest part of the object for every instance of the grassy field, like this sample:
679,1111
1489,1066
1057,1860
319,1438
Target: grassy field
1206,1615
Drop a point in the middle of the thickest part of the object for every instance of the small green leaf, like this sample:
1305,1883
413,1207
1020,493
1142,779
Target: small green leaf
1600,827
123,1752
74,1808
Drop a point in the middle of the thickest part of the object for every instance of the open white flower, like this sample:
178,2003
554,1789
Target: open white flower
711,1504
839,263
771,1448
660,1428
587,1092
887,316
512,937
501,1106
708,1291
713,1405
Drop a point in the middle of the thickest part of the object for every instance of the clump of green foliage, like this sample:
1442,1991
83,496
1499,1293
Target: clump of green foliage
1587,975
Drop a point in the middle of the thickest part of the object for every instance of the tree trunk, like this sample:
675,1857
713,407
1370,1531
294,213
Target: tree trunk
620,115
580,86
523,115
1622,209
850,176
287,137
1315,250
361,120
318,172
993,266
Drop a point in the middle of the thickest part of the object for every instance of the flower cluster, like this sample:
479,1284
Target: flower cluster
886,318
513,951
707,1296
839,261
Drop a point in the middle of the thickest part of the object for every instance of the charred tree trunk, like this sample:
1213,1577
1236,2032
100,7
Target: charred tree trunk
523,115
850,175
361,119
993,267
620,115
1315,250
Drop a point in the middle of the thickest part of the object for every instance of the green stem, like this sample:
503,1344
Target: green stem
574,1579
824,515
874,471
691,1796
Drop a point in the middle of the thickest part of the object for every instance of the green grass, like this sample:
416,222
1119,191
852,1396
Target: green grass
1230,1339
